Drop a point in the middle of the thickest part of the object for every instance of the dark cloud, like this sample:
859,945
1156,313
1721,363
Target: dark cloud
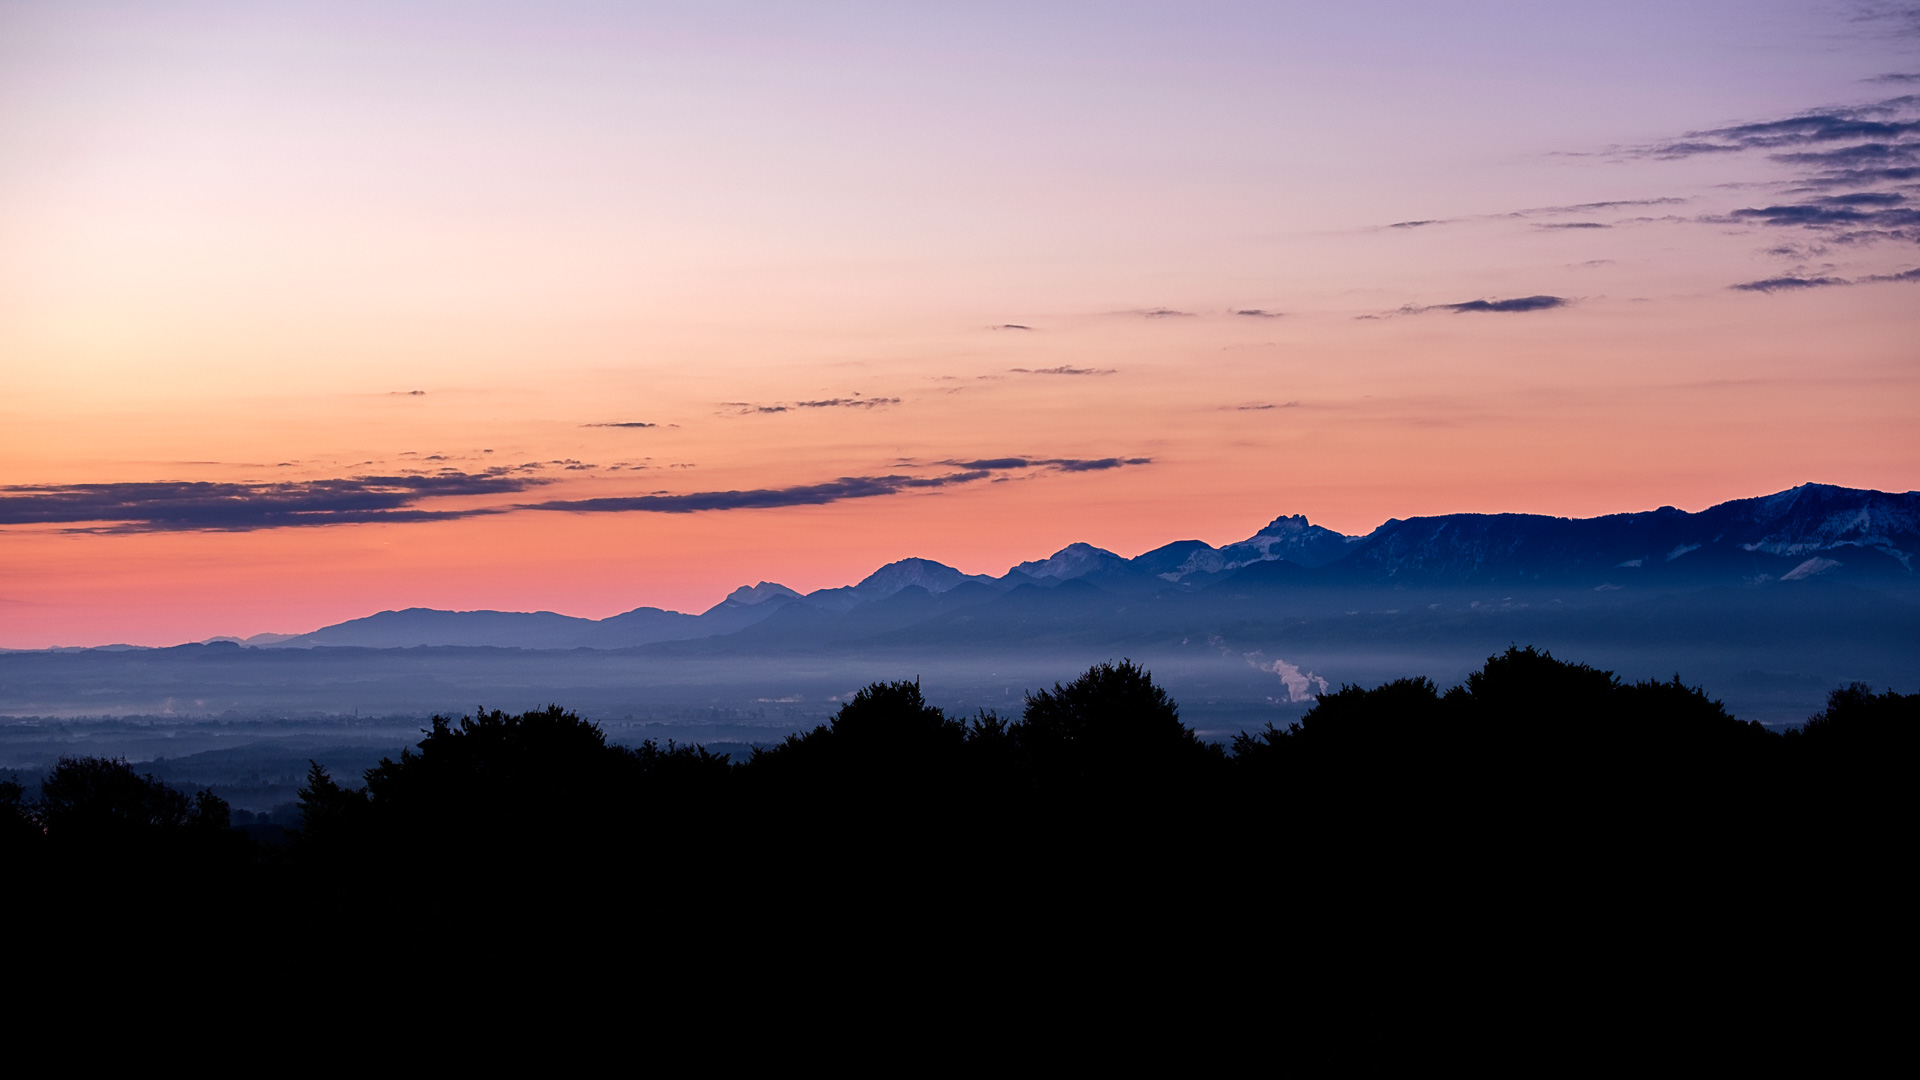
1063,369
1895,77
1789,284
1062,464
182,506
847,403
846,487
1825,126
1858,156
408,393
1258,313
623,423
1572,225
1904,275
1515,304
1012,326
1164,313
991,463
1416,224
1094,465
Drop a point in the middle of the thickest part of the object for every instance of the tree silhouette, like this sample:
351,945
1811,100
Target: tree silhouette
104,797
1112,728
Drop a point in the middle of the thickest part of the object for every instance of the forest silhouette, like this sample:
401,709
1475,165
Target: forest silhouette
1543,815
1530,753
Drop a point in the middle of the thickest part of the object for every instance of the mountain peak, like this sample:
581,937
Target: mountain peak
758,594
935,577
1291,537
1071,561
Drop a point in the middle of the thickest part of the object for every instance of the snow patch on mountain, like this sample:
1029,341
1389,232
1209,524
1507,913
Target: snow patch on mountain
1072,561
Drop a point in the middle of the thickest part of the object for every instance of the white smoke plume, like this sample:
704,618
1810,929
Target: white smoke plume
1301,685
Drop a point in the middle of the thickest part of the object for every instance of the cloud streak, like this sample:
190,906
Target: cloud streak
1513,305
1794,283
748,408
1063,369
1062,464
193,506
846,487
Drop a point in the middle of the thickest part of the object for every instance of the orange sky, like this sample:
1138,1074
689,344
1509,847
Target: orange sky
233,245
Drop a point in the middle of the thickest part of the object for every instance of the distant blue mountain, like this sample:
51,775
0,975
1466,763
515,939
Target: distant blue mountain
1814,531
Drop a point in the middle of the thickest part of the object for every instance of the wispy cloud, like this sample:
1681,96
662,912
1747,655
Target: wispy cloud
1258,313
1012,326
1062,464
623,424
1063,369
846,487
1788,284
190,506
1518,304
1793,282
748,408
1163,313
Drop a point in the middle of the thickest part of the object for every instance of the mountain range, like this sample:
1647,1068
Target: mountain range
1815,532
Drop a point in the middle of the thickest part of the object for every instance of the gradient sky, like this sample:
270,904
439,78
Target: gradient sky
311,310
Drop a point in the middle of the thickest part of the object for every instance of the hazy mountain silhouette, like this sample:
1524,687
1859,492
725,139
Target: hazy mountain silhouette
1812,532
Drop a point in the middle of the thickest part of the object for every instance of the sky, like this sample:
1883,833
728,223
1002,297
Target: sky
311,310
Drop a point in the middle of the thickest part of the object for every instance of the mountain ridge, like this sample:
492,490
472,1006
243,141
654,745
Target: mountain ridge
1809,531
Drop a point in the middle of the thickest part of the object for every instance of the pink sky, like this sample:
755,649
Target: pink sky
235,240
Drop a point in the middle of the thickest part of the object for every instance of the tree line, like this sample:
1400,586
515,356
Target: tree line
1528,749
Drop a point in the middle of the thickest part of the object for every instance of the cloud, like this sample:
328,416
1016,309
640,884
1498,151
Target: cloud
1063,369
184,506
407,393
1520,303
1894,77
1416,224
992,463
1095,465
1901,18
1789,284
856,402
847,403
623,424
1012,326
1904,275
846,487
1831,211
1822,126
1859,155
1164,313
1515,304
1258,313
1572,225
1611,204
1062,464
